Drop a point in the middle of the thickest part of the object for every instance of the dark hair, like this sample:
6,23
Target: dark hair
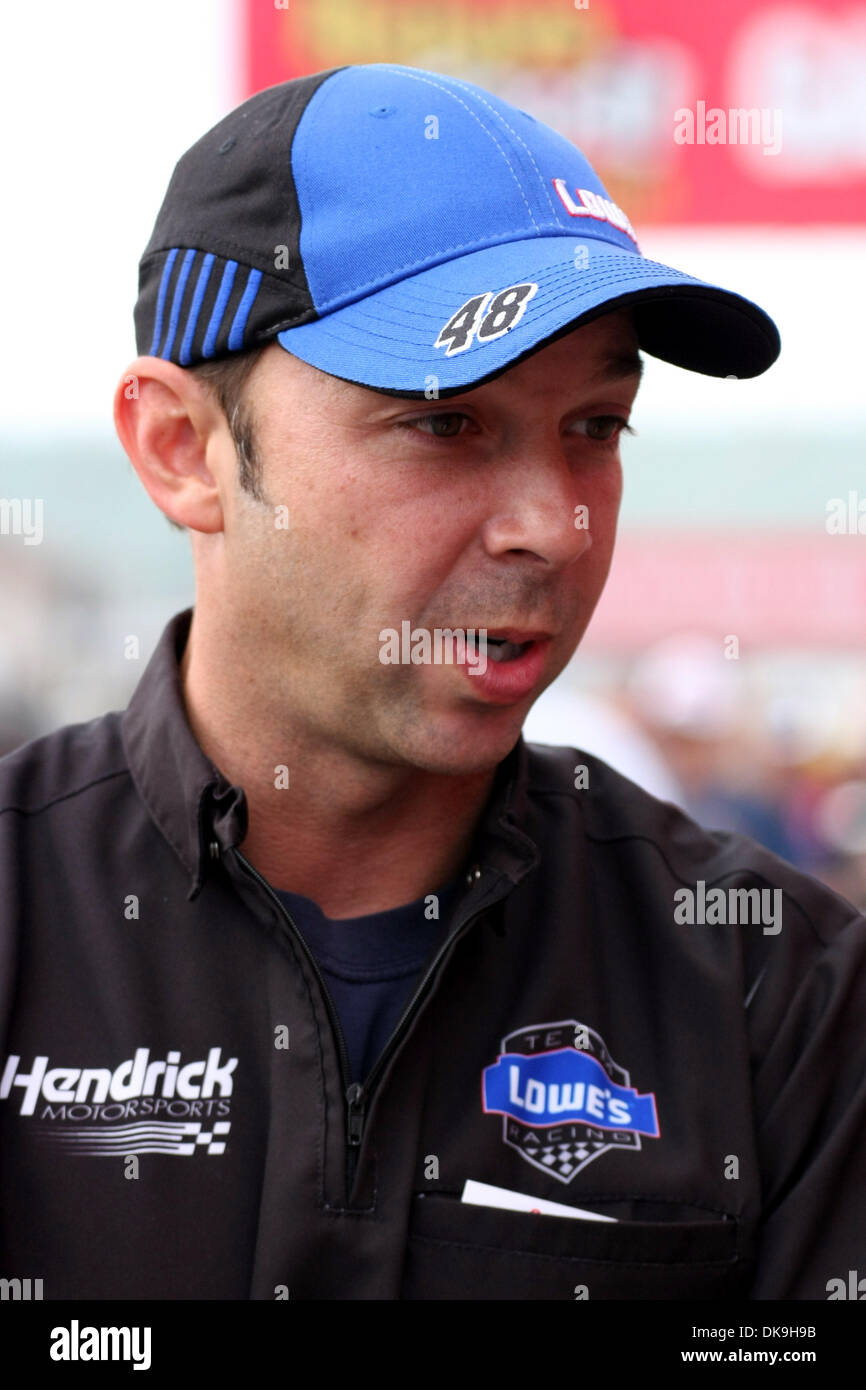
226,378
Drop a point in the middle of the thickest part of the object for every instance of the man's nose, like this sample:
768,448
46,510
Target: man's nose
541,505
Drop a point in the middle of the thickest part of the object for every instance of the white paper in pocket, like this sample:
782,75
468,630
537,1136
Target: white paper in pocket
482,1194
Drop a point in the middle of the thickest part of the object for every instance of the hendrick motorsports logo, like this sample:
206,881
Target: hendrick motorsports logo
564,1099
169,1108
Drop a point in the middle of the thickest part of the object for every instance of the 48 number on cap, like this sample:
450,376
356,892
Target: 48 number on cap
484,317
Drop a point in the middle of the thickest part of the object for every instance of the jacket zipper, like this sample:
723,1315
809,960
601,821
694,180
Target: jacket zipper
357,1096
350,1092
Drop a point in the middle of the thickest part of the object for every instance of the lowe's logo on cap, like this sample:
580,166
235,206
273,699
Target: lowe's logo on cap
565,1101
593,205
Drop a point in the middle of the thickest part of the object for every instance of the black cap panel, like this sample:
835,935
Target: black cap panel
197,297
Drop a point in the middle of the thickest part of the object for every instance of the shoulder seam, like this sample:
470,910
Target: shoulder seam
600,838
741,869
64,796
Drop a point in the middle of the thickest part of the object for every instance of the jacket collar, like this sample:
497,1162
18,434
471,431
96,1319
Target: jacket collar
200,813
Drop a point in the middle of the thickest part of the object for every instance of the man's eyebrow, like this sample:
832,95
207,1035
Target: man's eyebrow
618,366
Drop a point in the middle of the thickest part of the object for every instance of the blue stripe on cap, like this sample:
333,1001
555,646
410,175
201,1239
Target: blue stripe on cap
192,316
160,303
239,322
219,308
176,303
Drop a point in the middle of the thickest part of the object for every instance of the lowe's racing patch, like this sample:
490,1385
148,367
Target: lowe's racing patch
563,1098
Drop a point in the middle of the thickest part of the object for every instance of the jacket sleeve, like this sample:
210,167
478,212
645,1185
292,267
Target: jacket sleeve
807,1029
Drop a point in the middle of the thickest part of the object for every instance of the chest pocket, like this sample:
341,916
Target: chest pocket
456,1250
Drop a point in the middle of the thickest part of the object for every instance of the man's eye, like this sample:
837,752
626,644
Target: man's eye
443,425
605,427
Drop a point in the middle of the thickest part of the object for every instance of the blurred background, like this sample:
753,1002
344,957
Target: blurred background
725,668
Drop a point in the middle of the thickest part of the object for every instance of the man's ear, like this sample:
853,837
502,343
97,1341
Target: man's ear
173,431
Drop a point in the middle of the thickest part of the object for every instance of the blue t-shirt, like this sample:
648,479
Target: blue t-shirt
371,965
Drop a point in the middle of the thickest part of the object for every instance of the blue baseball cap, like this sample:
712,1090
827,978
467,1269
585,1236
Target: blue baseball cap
405,231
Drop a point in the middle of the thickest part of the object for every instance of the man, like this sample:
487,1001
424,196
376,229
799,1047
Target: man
308,943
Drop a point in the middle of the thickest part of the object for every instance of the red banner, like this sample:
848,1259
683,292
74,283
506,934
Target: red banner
791,589
737,112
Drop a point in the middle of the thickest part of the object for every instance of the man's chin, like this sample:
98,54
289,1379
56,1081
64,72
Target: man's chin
460,746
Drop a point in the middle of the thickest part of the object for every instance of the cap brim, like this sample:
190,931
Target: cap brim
386,341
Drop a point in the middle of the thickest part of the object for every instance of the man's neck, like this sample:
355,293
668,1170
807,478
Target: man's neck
355,838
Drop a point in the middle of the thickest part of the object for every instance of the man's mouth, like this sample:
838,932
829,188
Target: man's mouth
506,666
499,648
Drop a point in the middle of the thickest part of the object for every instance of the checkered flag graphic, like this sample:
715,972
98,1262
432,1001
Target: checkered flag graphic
144,1137
566,1158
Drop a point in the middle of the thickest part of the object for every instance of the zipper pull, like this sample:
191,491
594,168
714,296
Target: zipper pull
355,1127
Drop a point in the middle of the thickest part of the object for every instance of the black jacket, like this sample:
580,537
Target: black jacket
174,1120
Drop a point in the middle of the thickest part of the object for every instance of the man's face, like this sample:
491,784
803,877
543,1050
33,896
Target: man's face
462,513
